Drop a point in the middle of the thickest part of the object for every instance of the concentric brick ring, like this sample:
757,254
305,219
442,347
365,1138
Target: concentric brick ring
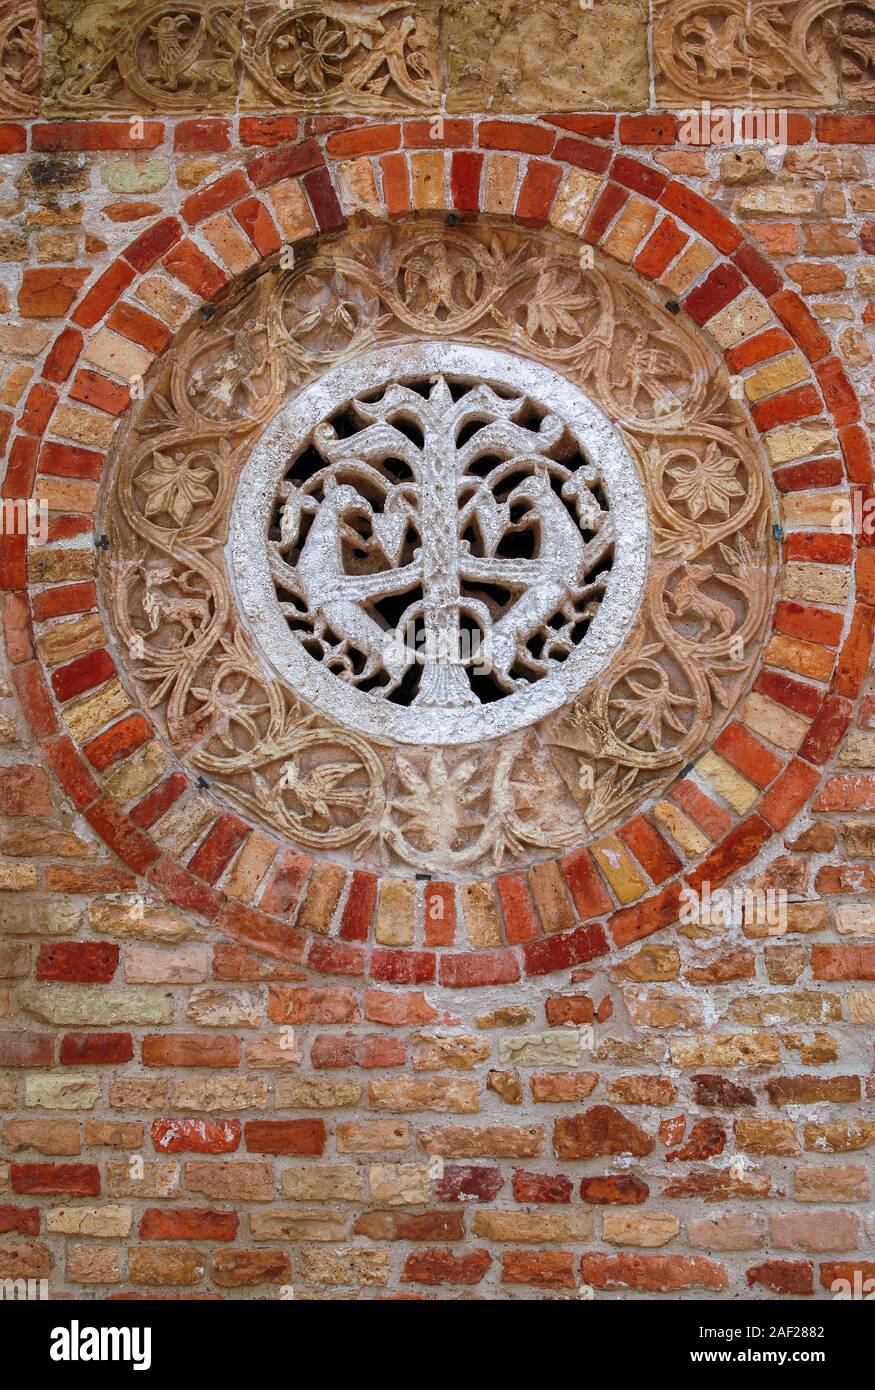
565,911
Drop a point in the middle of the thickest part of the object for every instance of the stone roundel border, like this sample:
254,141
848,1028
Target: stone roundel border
539,172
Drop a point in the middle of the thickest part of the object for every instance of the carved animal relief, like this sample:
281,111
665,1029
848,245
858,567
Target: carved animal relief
438,550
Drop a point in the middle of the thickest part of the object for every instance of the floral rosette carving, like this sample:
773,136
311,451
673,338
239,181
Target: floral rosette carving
326,57
467,808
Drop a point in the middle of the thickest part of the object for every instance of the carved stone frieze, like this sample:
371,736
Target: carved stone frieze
20,44
735,52
169,56
369,57
437,308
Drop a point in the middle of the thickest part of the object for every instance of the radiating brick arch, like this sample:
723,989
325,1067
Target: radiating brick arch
562,173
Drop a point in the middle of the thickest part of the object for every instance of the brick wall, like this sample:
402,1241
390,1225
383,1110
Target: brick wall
227,1069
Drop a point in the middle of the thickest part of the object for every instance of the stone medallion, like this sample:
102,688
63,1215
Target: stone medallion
438,550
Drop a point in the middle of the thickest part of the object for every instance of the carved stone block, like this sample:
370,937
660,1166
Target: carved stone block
169,56
511,55
20,47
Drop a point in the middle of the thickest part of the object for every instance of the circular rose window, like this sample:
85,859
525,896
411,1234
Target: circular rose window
439,543
438,551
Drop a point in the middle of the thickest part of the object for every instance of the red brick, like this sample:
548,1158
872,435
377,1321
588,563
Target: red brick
41,401
609,202
323,200
856,453
653,854
159,799
35,698
92,388
48,293
285,163
818,547
22,1221
796,315
640,177
286,884
587,890
13,138
154,243
520,918
362,140
442,1266
56,1179
303,1137
202,135
810,623
67,764
121,834
794,1277
403,967
652,1273
200,1136
648,916
83,673
96,135
786,797
96,1048
62,355
216,851
359,906
139,327
268,130
583,155
336,958
21,1049
20,475
541,1187
456,132
838,391
699,214
190,1050
515,135
187,1223
351,1050
796,695
216,196
87,962
760,348
564,949
843,962
64,600
439,913
468,1182
258,225
186,891
24,791
70,461
733,852
465,172
614,1190
537,192
472,969
648,130
544,1269
855,654
660,249
103,294
801,477
195,270
600,127
722,286
758,270
835,129
16,627
802,403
